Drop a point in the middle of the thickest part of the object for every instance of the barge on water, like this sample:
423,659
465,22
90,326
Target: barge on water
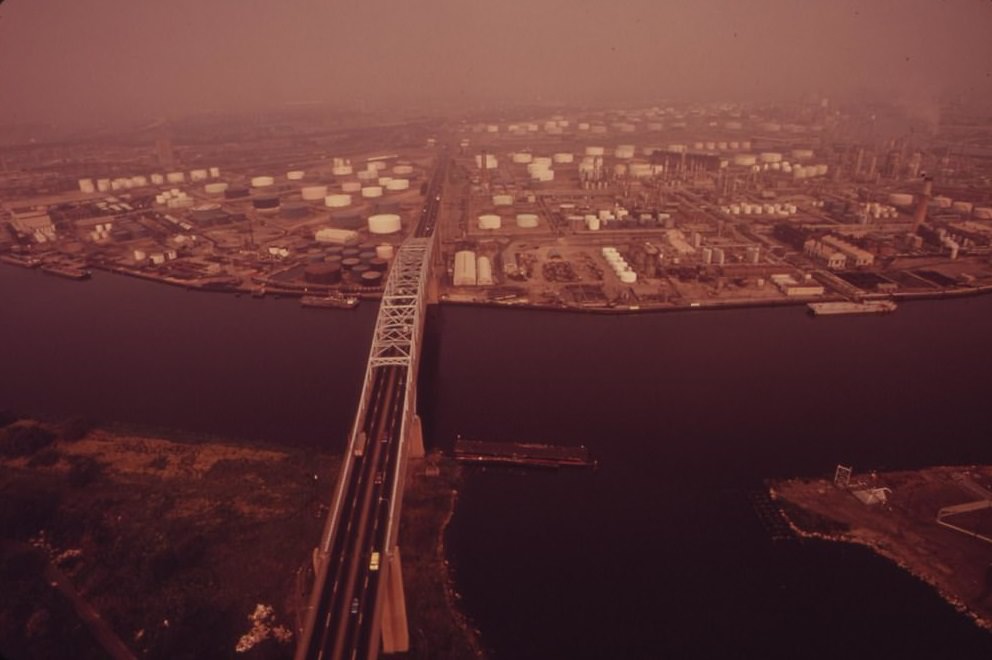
329,302
69,272
840,308
481,452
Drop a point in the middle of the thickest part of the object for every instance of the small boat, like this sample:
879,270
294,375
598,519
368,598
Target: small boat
330,302
70,272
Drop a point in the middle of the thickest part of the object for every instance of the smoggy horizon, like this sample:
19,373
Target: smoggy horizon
109,60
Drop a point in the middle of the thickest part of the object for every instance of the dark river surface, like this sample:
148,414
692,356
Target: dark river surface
657,553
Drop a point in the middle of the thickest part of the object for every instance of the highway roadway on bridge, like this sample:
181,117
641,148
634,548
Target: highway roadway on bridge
346,621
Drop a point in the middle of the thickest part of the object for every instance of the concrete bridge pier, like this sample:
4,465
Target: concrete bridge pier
395,628
416,438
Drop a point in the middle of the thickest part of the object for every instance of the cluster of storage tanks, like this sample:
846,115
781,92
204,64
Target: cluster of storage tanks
90,186
941,202
361,265
472,270
101,232
748,208
619,265
774,161
174,199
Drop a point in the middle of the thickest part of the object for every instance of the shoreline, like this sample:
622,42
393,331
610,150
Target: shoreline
262,288
901,528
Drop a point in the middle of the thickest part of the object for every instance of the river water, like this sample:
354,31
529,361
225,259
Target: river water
657,553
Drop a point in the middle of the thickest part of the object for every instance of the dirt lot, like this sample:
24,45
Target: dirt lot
904,526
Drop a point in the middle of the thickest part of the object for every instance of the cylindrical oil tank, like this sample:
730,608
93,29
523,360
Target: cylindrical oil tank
356,271
198,175
333,259
347,219
322,273
342,170
87,186
384,223
502,200
527,220
337,201
175,177
489,221
262,181
350,252
295,175
157,179
385,251
295,210
403,170
595,151
215,187
366,176
371,192
802,154
350,263
371,278
365,255
396,185
900,199
265,202
313,193
522,158
770,157
378,263
563,157
384,181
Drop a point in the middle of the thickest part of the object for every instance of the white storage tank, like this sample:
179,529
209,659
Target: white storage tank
403,170
592,222
397,185
484,271
770,157
802,154
367,176
375,165
522,158
139,181
384,223
628,277
527,220
175,177
139,255
262,181
87,186
295,175
337,201
595,151
371,192
215,187
502,200
313,193
198,175
489,221
214,172
385,251
563,157
342,170
624,151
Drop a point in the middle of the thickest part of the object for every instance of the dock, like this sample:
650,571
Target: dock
479,452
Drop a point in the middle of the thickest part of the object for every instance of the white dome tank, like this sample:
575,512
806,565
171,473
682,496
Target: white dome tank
215,187
385,251
262,181
527,220
397,185
371,192
384,223
313,193
337,200
490,221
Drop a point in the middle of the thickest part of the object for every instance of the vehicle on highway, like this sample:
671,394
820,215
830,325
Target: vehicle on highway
378,478
374,562
354,606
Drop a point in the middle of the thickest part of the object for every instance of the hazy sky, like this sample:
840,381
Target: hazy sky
107,58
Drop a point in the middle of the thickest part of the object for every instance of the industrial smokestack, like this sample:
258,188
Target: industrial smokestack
921,206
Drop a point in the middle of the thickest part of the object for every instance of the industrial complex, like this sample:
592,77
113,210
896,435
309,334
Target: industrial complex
667,207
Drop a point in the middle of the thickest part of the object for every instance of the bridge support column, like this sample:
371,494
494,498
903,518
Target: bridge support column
416,439
395,630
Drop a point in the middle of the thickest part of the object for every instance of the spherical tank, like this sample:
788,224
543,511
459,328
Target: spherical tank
384,223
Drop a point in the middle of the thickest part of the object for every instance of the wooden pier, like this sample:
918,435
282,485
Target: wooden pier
521,454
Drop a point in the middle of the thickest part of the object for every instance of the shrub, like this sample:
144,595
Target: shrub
24,440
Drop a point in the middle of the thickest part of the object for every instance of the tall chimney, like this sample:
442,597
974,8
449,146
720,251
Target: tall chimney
921,206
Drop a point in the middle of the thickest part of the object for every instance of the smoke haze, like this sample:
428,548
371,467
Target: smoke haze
106,59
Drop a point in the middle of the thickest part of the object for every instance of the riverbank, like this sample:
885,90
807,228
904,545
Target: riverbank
896,515
150,536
